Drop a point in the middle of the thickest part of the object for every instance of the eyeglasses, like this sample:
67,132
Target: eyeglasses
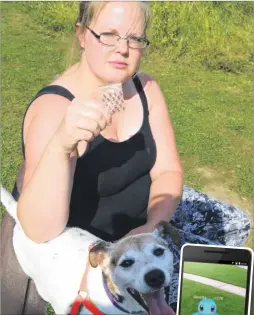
111,39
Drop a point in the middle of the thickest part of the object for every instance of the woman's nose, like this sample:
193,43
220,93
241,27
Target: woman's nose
122,46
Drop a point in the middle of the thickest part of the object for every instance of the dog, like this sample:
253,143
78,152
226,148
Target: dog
78,273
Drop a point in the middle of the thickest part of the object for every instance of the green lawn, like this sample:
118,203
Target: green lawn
211,111
31,57
193,292
225,273
212,116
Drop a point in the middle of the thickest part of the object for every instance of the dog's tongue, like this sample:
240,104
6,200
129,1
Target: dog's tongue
157,304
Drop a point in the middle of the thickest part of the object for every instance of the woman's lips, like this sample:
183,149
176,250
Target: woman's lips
118,64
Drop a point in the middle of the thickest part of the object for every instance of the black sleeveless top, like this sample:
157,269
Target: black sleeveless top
112,179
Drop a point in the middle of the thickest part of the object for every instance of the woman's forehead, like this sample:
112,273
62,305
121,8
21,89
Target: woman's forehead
121,16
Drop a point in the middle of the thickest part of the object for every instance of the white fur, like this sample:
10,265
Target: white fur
57,267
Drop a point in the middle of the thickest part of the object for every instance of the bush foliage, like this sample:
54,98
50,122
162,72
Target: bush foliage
217,35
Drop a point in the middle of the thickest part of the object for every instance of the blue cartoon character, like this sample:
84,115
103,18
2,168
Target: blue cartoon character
207,307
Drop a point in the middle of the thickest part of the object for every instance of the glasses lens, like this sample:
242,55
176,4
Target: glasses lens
137,43
112,39
109,39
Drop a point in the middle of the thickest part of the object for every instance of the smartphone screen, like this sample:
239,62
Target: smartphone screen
215,280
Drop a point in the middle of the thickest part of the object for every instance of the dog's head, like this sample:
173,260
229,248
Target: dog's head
143,262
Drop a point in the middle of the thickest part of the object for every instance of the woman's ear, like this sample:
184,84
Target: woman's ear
77,27
80,34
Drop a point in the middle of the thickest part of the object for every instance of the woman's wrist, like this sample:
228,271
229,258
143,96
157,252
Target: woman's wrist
163,211
150,225
55,145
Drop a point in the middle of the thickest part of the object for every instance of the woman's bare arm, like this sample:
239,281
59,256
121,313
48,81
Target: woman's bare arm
167,173
43,207
58,132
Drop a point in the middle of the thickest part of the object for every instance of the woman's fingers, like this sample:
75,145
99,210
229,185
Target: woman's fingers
84,120
96,116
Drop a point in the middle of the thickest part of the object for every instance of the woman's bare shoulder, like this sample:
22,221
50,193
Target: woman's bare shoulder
48,104
151,88
47,109
145,79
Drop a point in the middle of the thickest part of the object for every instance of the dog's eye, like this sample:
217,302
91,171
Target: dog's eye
158,251
127,263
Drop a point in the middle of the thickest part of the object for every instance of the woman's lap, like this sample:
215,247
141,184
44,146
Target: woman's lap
203,220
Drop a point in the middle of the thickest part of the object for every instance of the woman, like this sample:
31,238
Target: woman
109,174
120,163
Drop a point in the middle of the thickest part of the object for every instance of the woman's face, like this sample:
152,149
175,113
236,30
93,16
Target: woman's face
117,63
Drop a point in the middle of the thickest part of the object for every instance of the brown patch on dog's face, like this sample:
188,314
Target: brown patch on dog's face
98,253
136,243
126,262
135,256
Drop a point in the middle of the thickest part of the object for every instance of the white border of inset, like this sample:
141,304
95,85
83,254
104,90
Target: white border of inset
214,246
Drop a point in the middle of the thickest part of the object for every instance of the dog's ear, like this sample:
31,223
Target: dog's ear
97,252
165,229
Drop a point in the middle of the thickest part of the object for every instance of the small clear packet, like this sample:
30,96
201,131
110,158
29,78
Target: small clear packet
112,97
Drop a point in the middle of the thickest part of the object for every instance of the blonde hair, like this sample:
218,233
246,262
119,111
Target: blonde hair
89,11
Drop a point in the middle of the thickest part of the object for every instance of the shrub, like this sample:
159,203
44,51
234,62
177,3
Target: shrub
217,35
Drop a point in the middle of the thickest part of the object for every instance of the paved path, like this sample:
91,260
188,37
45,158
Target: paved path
216,284
244,267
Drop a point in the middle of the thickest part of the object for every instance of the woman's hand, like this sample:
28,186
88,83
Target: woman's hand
146,228
83,121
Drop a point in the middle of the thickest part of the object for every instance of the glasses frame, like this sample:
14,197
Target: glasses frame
98,36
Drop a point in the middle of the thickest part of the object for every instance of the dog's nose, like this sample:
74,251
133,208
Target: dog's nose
155,278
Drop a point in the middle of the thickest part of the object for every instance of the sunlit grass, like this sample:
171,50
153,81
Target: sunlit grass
211,111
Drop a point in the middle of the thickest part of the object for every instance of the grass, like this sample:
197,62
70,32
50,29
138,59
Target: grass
212,116
225,273
217,35
31,57
193,292
211,110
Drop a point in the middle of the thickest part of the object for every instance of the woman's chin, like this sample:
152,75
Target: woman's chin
119,76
